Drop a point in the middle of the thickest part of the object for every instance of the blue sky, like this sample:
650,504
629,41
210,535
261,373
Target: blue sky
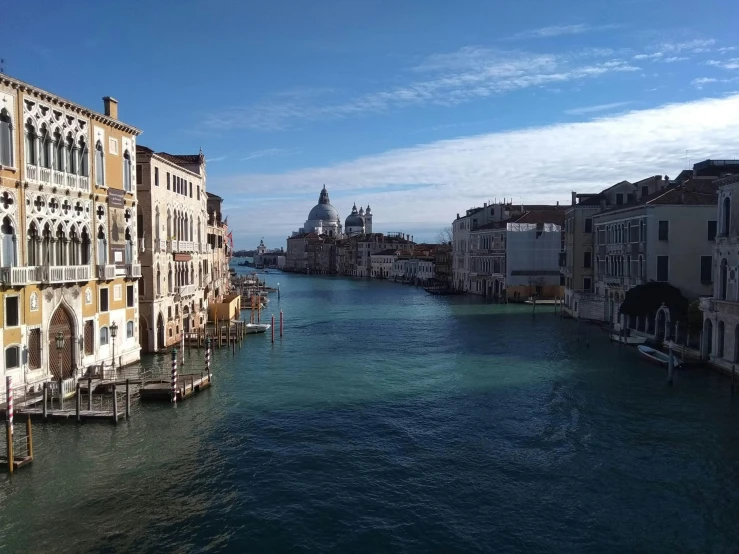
421,108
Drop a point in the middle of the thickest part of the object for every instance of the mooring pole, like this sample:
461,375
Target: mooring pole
29,437
281,323
89,393
207,357
128,398
115,404
670,365
46,400
9,421
78,401
273,328
174,376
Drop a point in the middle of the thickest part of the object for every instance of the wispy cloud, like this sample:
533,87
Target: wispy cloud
218,159
559,30
732,63
265,153
701,82
467,171
453,78
695,46
597,109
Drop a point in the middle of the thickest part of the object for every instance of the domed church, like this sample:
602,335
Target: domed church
358,222
323,218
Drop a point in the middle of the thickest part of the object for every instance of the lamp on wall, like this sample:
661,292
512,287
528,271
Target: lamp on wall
113,335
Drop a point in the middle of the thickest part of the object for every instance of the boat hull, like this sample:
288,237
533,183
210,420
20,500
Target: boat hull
628,340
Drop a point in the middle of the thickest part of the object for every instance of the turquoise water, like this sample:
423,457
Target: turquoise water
388,420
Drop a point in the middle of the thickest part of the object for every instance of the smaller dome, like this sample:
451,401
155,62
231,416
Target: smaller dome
354,219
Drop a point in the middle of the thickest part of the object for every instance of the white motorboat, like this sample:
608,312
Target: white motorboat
628,340
657,357
253,328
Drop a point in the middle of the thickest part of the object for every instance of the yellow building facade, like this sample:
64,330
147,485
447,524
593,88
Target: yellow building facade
68,236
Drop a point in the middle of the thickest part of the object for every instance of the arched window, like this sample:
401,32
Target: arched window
84,167
169,281
45,149
642,231
31,152
129,247
102,247
60,256
156,227
58,151
129,329
99,165
724,281
33,244
641,266
103,336
12,357
70,160
127,185
8,239
726,217
85,248
6,139
159,283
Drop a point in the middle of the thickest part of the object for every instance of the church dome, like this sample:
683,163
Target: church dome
354,219
323,211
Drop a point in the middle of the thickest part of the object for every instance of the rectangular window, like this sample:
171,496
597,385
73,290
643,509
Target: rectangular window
103,299
167,180
706,267
644,191
190,189
712,227
89,337
588,224
12,357
139,174
619,199
663,268
587,259
601,235
156,176
586,283
129,296
664,230
198,192
34,349
629,198
12,309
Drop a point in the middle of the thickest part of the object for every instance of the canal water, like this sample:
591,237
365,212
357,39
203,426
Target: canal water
388,420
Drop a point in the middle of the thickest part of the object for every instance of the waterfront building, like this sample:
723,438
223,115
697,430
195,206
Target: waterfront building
323,218
382,263
268,258
358,222
69,258
659,231
173,216
218,251
720,335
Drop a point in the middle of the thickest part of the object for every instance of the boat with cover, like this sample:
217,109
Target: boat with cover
657,357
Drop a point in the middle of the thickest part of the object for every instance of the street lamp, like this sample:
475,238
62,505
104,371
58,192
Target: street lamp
113,335
59,349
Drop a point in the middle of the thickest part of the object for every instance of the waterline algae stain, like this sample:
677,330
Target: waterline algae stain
388,420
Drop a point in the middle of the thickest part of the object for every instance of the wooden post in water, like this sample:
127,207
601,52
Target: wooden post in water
89,393
128,398
207,358
272,327
233,342
9,420
45,409
115,403
78,403
29,437
281,322
174,376
670,365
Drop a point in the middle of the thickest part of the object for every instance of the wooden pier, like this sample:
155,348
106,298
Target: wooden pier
187,386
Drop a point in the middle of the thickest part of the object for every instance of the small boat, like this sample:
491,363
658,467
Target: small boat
252,328
628,340
657,357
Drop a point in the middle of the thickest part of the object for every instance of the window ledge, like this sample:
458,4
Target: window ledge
8,168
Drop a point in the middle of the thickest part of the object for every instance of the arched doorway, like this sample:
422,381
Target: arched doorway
143,334
61,322
160,333
707,346
661,324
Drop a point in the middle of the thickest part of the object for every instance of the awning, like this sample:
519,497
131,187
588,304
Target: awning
182,257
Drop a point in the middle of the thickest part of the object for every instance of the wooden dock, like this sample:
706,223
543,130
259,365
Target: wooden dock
55,414
187,386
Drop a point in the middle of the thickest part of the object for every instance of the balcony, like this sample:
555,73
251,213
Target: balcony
184,246
133,271
171,246
44,175
31,172
106,272
186,290
160,245
18,276
51,274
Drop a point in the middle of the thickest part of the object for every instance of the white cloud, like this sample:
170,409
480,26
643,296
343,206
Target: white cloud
218,159
421,188
559,30
696,46
732,63
264,153
595,109
454,78
654,56
700,82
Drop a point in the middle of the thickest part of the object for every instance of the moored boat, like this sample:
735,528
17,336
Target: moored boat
657,357
252,328
628,340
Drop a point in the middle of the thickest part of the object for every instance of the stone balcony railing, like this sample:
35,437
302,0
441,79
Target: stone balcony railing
133,271
106,272
64,273
56,178
160,245
184,246
186,290
18,276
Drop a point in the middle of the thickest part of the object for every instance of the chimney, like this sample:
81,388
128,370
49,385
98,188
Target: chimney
111,106
574,198
558,203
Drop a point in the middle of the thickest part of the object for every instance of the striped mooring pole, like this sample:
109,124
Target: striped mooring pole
207,357
174,375
9,419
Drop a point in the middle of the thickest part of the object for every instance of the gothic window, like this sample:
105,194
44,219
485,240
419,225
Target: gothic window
726,217
70,160
8,240
33,243
45,149
103,336
59,151
129,247
99,165
127,184
31,157
84,168
85,250
6,139
102,250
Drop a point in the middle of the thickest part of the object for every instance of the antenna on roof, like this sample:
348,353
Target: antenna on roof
2,65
